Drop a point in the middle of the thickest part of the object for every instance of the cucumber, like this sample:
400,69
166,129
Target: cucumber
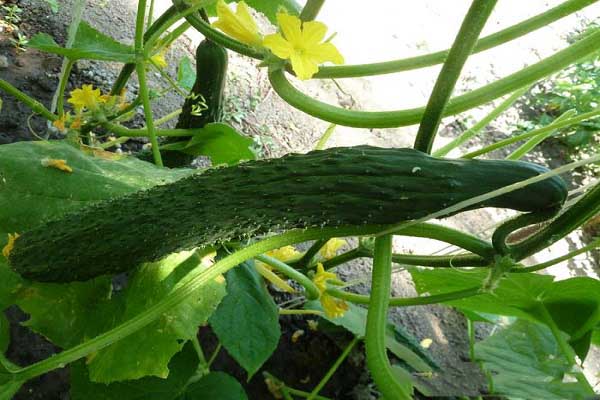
334,187
207,93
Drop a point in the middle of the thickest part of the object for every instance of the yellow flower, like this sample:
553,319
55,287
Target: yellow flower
332,306
60,123
331,247
301,44
87,97
159,59
239,25
58,164
284,254
11,243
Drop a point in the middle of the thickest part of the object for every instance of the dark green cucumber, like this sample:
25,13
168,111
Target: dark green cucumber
206,96
335,187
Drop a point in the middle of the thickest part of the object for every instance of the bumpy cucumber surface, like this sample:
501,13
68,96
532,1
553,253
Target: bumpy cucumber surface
334,187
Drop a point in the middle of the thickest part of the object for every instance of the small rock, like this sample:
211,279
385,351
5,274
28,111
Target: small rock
3,62
19,62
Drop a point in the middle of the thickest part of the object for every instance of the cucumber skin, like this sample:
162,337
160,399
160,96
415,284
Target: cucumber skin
334,187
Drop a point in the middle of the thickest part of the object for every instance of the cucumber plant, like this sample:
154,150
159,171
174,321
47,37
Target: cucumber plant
105,214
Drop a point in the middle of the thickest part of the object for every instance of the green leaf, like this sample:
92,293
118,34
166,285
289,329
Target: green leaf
89,44
8,388
215,386
525,362
267,7
355,321
247,321
186,74
31,193
573,303
148,351
182,367
222,143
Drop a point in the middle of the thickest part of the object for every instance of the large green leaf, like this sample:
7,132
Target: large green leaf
182,367
247,321
573,303
186,74
148,351
267,7
525,363
89,44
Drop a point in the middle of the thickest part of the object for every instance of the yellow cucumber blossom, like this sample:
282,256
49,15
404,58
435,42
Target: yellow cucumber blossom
332,306
239,25
11,243
159,59
331,247
301,44
284,254
60,123
86,97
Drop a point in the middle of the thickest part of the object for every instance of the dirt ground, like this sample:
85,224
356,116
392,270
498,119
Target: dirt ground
384,30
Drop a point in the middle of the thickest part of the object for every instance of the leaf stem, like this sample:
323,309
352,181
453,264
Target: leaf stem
495,39
474,98
377,360
311,10
538,267
306,260
312,292
485,121
333,368
30,102
406,301
462,47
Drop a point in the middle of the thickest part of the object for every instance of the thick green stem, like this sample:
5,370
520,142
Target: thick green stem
377,360
62,86
334,367
485,121
306,259
120,130
462,47
128,69
488,42
554,126
474,98
312,291
407,301
561,226
538,267
30,102
311,10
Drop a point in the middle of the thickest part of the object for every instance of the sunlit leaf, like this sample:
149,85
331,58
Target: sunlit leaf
148,351
214,386
222,143
89,44
186,74
526,363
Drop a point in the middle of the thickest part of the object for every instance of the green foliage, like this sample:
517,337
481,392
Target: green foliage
572,303
247,308
89,44
186,74
575,88
53,5
222,143
524,362
183,383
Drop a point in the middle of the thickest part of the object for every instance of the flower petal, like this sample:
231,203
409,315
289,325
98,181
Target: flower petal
243,14
303,66
313,32
290,26
325,52
278,45
239,26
